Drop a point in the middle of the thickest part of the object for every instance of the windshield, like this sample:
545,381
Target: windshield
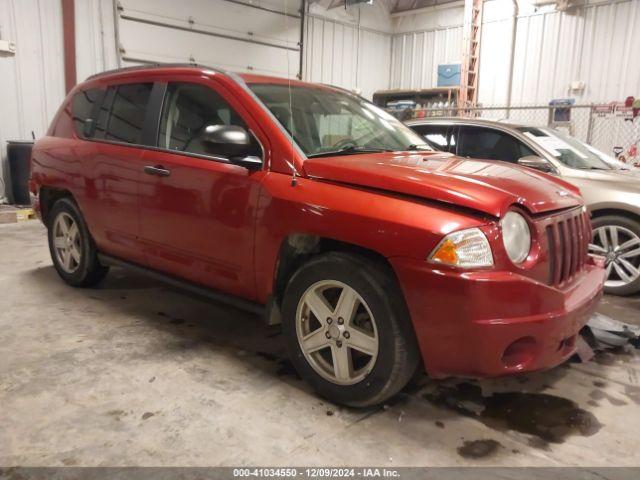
568,150
323,121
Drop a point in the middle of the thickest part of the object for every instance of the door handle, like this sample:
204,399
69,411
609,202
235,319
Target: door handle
158,170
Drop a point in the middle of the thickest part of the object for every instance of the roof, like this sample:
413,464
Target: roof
466,121
197,68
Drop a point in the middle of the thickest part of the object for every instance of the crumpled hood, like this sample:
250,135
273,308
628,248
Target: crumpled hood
486,186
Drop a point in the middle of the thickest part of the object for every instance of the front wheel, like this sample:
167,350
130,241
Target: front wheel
617,238
348,330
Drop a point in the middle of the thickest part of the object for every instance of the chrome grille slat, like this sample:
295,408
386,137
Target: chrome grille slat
567,238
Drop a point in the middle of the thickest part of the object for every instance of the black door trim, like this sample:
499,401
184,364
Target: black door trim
152,115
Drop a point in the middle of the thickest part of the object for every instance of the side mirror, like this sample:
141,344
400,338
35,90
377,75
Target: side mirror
538,163
227,140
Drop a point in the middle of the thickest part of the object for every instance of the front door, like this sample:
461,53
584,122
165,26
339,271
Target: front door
197,210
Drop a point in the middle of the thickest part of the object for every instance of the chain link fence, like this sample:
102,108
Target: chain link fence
612,129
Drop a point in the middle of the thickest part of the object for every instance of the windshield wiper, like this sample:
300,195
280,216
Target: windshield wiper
419,146
348,150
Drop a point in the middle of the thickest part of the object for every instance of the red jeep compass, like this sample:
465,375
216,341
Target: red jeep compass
313,206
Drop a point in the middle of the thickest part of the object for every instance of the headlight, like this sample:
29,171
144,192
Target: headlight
516,236
466,248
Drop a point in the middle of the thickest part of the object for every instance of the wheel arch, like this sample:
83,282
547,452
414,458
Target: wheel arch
48,197
298,248
604,211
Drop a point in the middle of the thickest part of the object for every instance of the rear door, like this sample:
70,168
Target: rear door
113,169
198,210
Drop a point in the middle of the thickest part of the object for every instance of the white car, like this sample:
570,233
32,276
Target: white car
610,188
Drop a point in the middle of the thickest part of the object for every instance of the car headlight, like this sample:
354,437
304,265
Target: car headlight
516,236
467,249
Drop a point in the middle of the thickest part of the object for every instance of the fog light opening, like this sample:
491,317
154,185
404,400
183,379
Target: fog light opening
568,343
519,353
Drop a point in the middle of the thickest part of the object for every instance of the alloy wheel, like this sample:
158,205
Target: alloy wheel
621,249
66,242
337,332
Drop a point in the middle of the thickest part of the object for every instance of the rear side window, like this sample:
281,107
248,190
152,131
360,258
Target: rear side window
486,143
437,136
121,117
83,106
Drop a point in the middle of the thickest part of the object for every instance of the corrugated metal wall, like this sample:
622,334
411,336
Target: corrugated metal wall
95,37
416,56
345,55
422,42
32,81
595,44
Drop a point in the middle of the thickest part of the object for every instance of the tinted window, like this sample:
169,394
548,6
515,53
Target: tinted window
82,109
121,117
437,136
103,115
480,142
188,109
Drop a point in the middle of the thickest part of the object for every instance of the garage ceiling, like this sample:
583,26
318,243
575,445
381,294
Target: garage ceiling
393,6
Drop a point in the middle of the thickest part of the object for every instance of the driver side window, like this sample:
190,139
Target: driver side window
187,110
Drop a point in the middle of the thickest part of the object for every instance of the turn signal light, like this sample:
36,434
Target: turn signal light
446,253
467,249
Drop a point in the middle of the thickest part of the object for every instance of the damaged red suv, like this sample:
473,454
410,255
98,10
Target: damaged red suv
316,208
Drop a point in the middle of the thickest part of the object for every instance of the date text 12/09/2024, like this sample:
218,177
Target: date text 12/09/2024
316,472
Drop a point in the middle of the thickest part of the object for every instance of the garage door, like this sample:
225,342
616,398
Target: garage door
261,38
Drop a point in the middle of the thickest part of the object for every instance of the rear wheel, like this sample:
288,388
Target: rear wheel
348,331
72,249
617,238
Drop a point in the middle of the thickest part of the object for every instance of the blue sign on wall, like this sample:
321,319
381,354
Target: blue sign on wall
449,75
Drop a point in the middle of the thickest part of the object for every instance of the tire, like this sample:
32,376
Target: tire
621,262
74,254
380,315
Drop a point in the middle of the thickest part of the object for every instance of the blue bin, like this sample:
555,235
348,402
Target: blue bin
449,75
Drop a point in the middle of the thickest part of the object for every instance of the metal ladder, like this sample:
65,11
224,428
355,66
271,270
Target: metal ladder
471,55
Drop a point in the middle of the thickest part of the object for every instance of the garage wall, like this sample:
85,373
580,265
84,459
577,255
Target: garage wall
595,44
95,37
341,53
32,81
422,41
211,32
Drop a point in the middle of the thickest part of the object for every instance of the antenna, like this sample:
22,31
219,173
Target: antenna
294,173
294,181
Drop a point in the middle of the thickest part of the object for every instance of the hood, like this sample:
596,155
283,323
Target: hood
488,187
631,177
613,180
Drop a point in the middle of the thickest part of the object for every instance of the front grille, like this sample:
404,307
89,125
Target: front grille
568,237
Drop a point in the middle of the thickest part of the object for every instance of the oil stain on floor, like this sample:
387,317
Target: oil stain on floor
479,448
549,418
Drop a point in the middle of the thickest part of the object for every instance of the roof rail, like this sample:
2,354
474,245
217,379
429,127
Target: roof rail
148,66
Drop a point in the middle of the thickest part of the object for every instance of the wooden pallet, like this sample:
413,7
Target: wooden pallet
12,214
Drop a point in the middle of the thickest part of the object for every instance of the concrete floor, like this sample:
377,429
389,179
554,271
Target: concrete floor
135,373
